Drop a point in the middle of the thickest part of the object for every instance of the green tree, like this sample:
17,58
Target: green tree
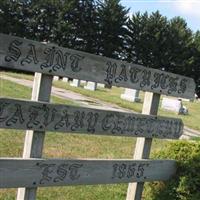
78,27
147,40
13,17
43,17
180,43
112,28
194,71
136,38
156,42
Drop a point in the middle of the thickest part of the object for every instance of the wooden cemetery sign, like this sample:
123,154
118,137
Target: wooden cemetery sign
22,54
38,116
29,115
43,173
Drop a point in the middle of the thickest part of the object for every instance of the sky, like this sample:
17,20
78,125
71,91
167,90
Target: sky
187,9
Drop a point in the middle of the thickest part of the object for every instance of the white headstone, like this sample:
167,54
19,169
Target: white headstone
83,82
131,95
65,79
75,83
55,78
91,86
172,104
101,85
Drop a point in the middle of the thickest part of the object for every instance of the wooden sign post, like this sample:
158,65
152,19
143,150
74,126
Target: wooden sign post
38,116
34,140
143,145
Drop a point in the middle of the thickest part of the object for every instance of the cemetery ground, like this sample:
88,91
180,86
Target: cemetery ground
113,96
40,116
76,145
61,145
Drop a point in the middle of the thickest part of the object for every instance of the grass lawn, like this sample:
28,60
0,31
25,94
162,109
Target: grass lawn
20,75
113,96
59,145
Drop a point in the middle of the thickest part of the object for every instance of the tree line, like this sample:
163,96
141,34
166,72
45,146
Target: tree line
105,27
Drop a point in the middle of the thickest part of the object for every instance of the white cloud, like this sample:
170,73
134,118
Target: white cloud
188,7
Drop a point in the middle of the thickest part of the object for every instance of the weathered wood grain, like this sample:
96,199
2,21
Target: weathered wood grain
143,145
40,116
34,140
42,173
22,54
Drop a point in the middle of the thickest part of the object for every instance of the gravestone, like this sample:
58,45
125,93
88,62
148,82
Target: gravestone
75,83
91,86
172,104
131,95
83,82
65,79
100,85
56,78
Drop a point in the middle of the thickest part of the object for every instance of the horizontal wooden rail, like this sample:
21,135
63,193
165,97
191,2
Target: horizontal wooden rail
28,55
40,172
41,116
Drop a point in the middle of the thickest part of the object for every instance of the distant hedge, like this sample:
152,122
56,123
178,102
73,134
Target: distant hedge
185,185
